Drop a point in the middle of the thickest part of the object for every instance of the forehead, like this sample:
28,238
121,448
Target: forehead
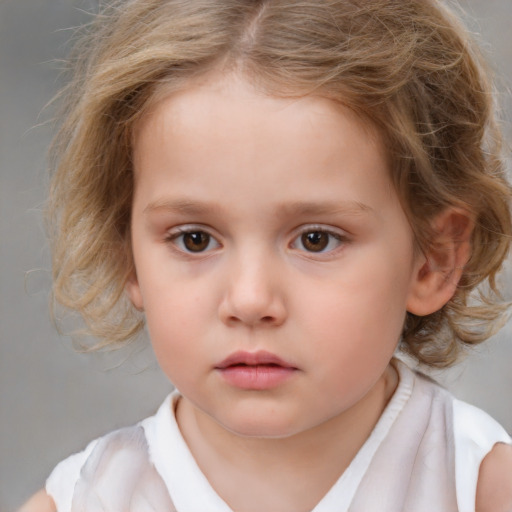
223,128
232,97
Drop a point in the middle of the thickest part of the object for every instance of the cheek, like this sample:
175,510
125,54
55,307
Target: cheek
354,335
360,314
174,319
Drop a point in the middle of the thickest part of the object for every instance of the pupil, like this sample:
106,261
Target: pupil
315,241
197,241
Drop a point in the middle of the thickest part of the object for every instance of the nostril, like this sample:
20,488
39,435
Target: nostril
252,310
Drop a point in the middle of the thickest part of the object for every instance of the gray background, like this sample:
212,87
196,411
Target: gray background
52,399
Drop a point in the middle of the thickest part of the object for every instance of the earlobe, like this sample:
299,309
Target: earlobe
133,291
439,270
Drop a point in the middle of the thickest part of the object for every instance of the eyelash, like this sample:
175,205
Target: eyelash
333,237
177,239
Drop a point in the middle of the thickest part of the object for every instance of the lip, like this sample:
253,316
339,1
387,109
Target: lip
255,370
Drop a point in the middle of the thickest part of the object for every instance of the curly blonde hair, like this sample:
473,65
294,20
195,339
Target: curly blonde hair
408,67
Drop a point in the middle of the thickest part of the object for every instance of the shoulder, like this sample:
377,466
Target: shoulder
483,460
106,452
494,490
106,458
40,502
63,478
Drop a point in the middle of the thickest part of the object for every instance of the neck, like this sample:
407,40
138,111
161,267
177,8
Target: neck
266,470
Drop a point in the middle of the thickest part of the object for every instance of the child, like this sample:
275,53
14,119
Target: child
282,191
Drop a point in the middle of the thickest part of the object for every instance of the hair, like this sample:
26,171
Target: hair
407,67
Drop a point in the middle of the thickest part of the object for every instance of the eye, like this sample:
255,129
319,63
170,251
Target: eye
317,240
193,240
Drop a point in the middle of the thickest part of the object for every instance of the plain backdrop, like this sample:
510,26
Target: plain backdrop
52,399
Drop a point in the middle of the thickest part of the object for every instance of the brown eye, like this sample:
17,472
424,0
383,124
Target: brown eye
319,240
315,241
196,241
192,240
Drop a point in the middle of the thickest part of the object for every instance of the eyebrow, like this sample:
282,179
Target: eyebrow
184,206
299,208
296,208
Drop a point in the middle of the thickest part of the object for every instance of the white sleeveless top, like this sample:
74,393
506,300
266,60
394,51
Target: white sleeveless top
423,455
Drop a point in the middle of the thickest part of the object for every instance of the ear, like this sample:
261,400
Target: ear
133,291
439,269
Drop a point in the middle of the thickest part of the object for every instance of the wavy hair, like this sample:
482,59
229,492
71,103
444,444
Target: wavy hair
408,67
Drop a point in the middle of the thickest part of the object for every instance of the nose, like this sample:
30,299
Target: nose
253,295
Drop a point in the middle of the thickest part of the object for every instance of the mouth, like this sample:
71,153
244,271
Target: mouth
249,359
255,370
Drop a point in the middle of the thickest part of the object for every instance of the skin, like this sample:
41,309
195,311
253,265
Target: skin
494,490
254,173
253,177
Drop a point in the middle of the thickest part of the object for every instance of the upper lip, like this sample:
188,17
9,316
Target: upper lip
252,359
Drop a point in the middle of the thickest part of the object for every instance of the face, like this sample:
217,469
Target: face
273,260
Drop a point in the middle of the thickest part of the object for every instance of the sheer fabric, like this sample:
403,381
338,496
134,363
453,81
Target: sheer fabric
423,455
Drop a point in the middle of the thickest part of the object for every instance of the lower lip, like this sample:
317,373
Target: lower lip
257,377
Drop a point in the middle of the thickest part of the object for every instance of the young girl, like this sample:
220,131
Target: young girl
284,191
